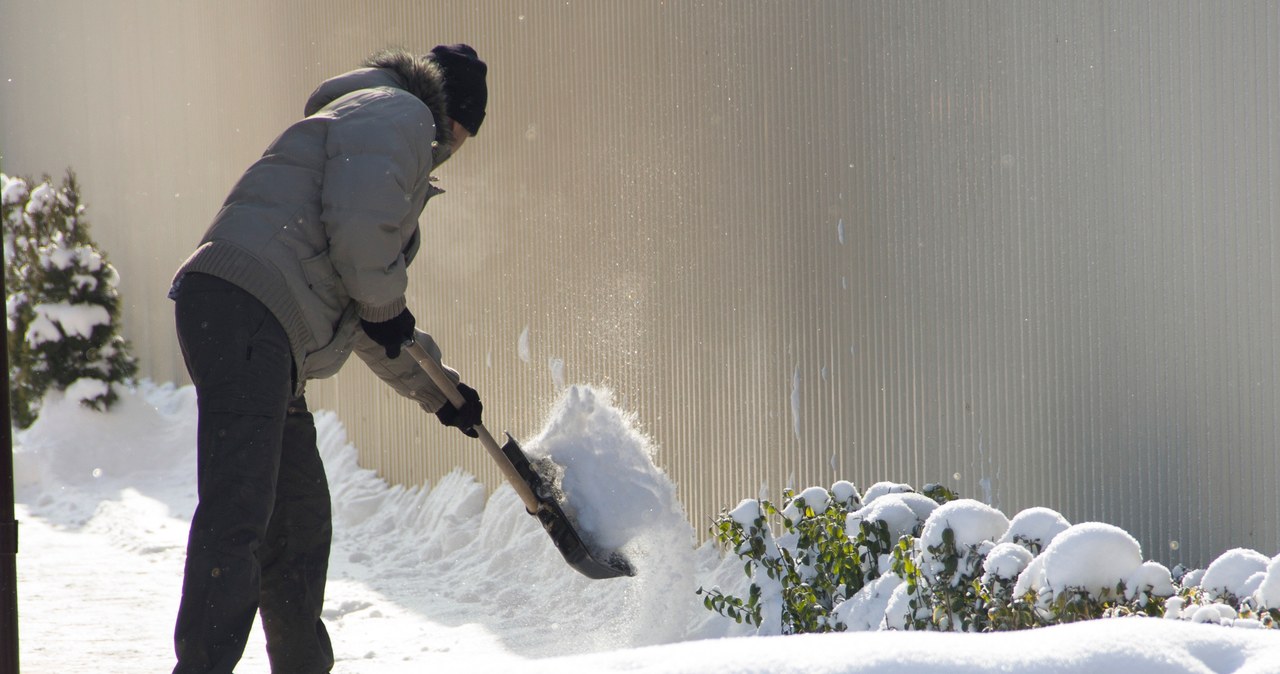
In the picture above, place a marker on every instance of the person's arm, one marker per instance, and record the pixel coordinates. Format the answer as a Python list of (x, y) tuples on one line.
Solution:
[(403, 374), (411, 381)]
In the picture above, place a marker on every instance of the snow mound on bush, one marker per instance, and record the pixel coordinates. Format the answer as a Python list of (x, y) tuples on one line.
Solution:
[(747, 513), (816, 499), (898, 612), (975, 526), (87, 389), (1092, 556), (879, 489), (12, 189), (902, 513), (844, 492), (921, 505), (1005, 562), (1268, 593), (865, 610), (972, 522), (1235, 574), (1035, 528), (1151, 577)]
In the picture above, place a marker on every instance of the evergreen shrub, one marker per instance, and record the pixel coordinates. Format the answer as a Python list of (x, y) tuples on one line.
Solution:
[(62, 300)]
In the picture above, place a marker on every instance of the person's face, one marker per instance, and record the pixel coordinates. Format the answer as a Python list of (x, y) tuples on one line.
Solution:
[(459, 135)]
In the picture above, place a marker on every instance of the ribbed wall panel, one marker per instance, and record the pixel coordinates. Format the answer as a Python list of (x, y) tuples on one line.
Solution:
[(1027, 249)]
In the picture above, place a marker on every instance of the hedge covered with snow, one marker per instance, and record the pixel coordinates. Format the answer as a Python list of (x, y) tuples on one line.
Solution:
[(61, 300), (837, 559)]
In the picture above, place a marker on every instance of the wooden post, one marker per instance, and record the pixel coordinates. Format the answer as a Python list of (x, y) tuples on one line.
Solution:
[(8, 523)]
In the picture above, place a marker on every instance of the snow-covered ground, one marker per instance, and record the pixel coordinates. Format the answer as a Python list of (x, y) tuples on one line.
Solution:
[(453, 579)]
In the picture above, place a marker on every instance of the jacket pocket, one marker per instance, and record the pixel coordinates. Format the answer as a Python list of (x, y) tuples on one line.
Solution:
[(324, 282), (327, 360)]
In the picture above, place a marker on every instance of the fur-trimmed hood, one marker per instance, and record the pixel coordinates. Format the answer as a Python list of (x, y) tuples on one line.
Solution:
[(397, 68)]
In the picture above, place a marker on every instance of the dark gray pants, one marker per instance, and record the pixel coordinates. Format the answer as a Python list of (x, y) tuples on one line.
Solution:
[(260, 535)]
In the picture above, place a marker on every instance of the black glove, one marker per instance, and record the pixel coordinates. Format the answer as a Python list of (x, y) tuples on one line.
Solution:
[(467, 417), (391, 334)]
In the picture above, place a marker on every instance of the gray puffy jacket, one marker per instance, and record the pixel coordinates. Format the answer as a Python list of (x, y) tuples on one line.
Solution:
[(322, 228)]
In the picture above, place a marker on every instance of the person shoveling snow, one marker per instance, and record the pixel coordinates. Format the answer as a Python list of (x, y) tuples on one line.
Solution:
[(306, 263)]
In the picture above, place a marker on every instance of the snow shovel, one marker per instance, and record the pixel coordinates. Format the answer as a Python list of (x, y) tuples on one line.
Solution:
[(539, 500)]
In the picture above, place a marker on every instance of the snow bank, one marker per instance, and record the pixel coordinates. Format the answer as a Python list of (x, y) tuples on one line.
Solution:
[(490, 556), (1128, 646), (440, 577), (70, 445)]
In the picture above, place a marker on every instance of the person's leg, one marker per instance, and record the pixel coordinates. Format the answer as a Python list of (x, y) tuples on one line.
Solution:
[(295, 555), (239, 359)]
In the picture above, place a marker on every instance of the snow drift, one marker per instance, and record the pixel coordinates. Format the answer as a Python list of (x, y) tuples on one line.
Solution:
[(450, 578)]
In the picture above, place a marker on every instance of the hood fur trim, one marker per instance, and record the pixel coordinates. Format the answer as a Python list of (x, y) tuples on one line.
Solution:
[(422, 78)]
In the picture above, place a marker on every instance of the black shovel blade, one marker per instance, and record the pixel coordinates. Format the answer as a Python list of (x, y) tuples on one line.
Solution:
[(559, 527)]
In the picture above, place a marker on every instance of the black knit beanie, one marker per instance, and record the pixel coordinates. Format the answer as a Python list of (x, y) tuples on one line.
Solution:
[(464, 85)]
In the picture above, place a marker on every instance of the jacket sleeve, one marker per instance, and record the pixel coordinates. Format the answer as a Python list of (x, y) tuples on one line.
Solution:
[(377, 155), (403, 373)]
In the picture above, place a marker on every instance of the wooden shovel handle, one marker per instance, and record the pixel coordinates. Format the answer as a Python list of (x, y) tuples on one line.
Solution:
[(443, 382)]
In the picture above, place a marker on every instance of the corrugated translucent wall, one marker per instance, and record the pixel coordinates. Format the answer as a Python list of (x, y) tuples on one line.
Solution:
[(1027, 249)]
